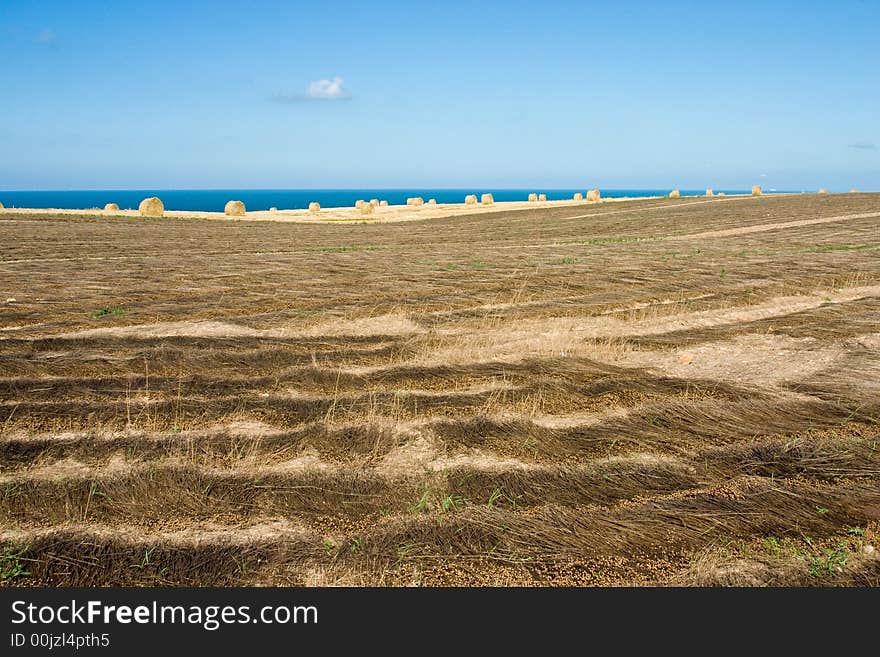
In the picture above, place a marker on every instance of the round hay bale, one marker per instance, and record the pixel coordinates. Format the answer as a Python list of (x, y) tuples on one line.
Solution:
[(366, 208), (383, 204), (234, 209), (533, 198), (432, 201), (823, 191), (111, 207), (577, 197), (470, 199), (674, 193), (720, 194), (314, 207), (593, 195), (273, 209), (757, 190), (542, 197), (1, 206), (852, 191), (415, 200), (151, 207), (359, 203), (487, 199), (709, 192), (374, 202)]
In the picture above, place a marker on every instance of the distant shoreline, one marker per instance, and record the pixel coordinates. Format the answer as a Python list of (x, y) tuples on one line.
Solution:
[(385, 214), (299, 199)]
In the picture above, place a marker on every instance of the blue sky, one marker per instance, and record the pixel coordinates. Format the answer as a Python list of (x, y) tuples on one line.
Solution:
[(439, 94)]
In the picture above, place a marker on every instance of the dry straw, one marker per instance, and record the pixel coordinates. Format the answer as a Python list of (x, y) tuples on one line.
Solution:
[(374, 202), (234, 209), (1, 206), (542, 197), (533, 198), (852, 191), (674, 194), (578, 197), (111, 207), (383, 204), (823, 191), (470, 199), (273, 209), (314, 207), (709, 192), (359, 203), (757, 190), (486, 199), (432, 201), (366, 208), (593, 195), (151, 207), (415, 200)]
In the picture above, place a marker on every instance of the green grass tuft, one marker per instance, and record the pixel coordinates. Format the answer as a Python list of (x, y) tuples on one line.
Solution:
[(11, 564)]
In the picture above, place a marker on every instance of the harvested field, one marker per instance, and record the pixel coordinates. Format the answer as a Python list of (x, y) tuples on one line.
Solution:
[(664, 392)]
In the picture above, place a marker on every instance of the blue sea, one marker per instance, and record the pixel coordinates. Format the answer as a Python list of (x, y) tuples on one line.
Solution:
[(209, 200)]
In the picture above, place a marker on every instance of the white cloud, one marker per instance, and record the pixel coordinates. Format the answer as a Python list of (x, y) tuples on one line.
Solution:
[(327, 89), (318, 90)]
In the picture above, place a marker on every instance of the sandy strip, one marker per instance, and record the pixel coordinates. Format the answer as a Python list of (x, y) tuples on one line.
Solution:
[(201, 533), (387, 214), (745, 230)]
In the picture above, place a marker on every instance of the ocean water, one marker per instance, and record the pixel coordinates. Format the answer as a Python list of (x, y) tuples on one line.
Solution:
[(213, 200)]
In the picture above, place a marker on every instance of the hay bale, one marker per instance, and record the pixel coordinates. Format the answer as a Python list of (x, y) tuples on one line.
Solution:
[(432, 201), (234, 209), (577, 197), (1, 206), (709, 192), (111, 207), (674, 193), (823, 191), (366, 208), (593, 195), (314, 207), (359, 203), (273, 209), (542, 197), (383, 204), (151, 207), (487, 199), (415, 200), (757, 190), (470, 199), (533, 198), (374, 202), (720, 193), (852, 191)]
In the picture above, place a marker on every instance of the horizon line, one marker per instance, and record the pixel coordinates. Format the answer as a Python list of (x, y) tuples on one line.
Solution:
[(407, 188)]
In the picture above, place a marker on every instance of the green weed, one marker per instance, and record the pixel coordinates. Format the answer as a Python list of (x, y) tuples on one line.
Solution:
[(11, 564), (830, 562)]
